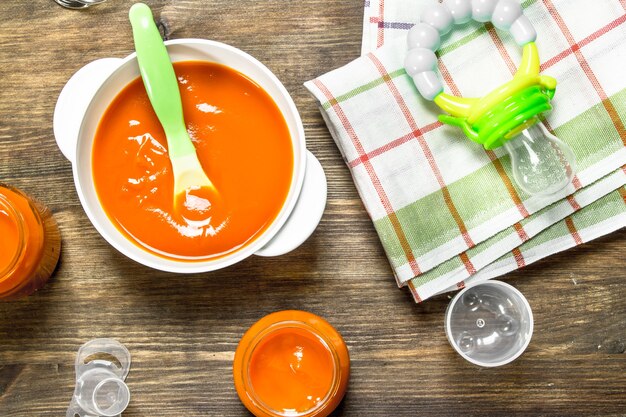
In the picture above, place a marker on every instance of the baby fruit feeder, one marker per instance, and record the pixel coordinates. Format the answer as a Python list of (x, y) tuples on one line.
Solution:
[(508, 116)]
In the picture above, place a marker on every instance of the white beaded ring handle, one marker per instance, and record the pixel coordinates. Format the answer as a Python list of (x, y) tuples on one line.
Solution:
[(508, 115), (437, 19)]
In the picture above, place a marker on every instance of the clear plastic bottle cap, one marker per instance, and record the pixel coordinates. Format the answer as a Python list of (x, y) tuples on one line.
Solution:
[(489, 323), (102, 366), (78, 4)]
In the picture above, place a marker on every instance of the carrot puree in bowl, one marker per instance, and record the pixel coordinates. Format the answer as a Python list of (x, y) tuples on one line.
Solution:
[(242, 142)]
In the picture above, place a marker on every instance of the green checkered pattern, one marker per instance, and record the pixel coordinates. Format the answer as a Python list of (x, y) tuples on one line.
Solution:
[(446, 210)]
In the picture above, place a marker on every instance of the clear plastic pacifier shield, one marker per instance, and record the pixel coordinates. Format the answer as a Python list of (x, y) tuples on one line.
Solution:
[(489, 323), (101, 369)]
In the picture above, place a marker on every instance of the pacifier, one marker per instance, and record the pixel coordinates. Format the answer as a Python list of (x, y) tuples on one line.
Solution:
[(509, 116), (101, 368)]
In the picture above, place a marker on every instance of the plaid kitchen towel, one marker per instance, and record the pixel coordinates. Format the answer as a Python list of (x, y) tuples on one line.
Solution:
[(445, 209)]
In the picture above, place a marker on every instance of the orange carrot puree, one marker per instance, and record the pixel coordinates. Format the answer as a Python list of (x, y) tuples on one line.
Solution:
[(291, 370), (291, 363), (30, 243), (10, 237), (243, 144)]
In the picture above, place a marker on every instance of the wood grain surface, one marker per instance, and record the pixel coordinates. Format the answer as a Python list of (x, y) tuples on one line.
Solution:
[(182, 330)]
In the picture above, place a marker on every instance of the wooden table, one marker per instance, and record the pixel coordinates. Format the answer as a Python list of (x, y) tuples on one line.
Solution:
[(182, 330)]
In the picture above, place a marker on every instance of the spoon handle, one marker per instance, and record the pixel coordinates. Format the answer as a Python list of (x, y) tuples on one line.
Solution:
[(160, 80)]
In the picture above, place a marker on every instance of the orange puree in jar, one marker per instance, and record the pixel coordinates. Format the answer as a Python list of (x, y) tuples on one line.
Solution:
[(11, 239), (291, 363), (291, 370), (242, 142), (30, 244)]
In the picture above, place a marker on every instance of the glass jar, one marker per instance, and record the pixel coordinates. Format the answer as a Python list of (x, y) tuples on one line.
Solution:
[(291, 363), (30, 244)]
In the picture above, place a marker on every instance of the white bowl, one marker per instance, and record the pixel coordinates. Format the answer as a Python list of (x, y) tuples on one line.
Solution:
[(89, 92)]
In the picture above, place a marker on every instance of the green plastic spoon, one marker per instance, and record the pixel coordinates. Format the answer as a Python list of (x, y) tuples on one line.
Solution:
[(161, 84)]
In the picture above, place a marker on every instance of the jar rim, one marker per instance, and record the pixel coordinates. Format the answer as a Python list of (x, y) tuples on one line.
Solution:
[(318, 328), (13, 214), (319, 335)]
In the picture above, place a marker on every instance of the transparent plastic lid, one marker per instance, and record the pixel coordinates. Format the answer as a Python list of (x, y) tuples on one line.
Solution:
[(101, 369), (489, 323)]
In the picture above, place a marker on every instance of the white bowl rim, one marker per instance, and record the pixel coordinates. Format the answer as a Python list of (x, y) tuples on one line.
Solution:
[(154, 261)]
